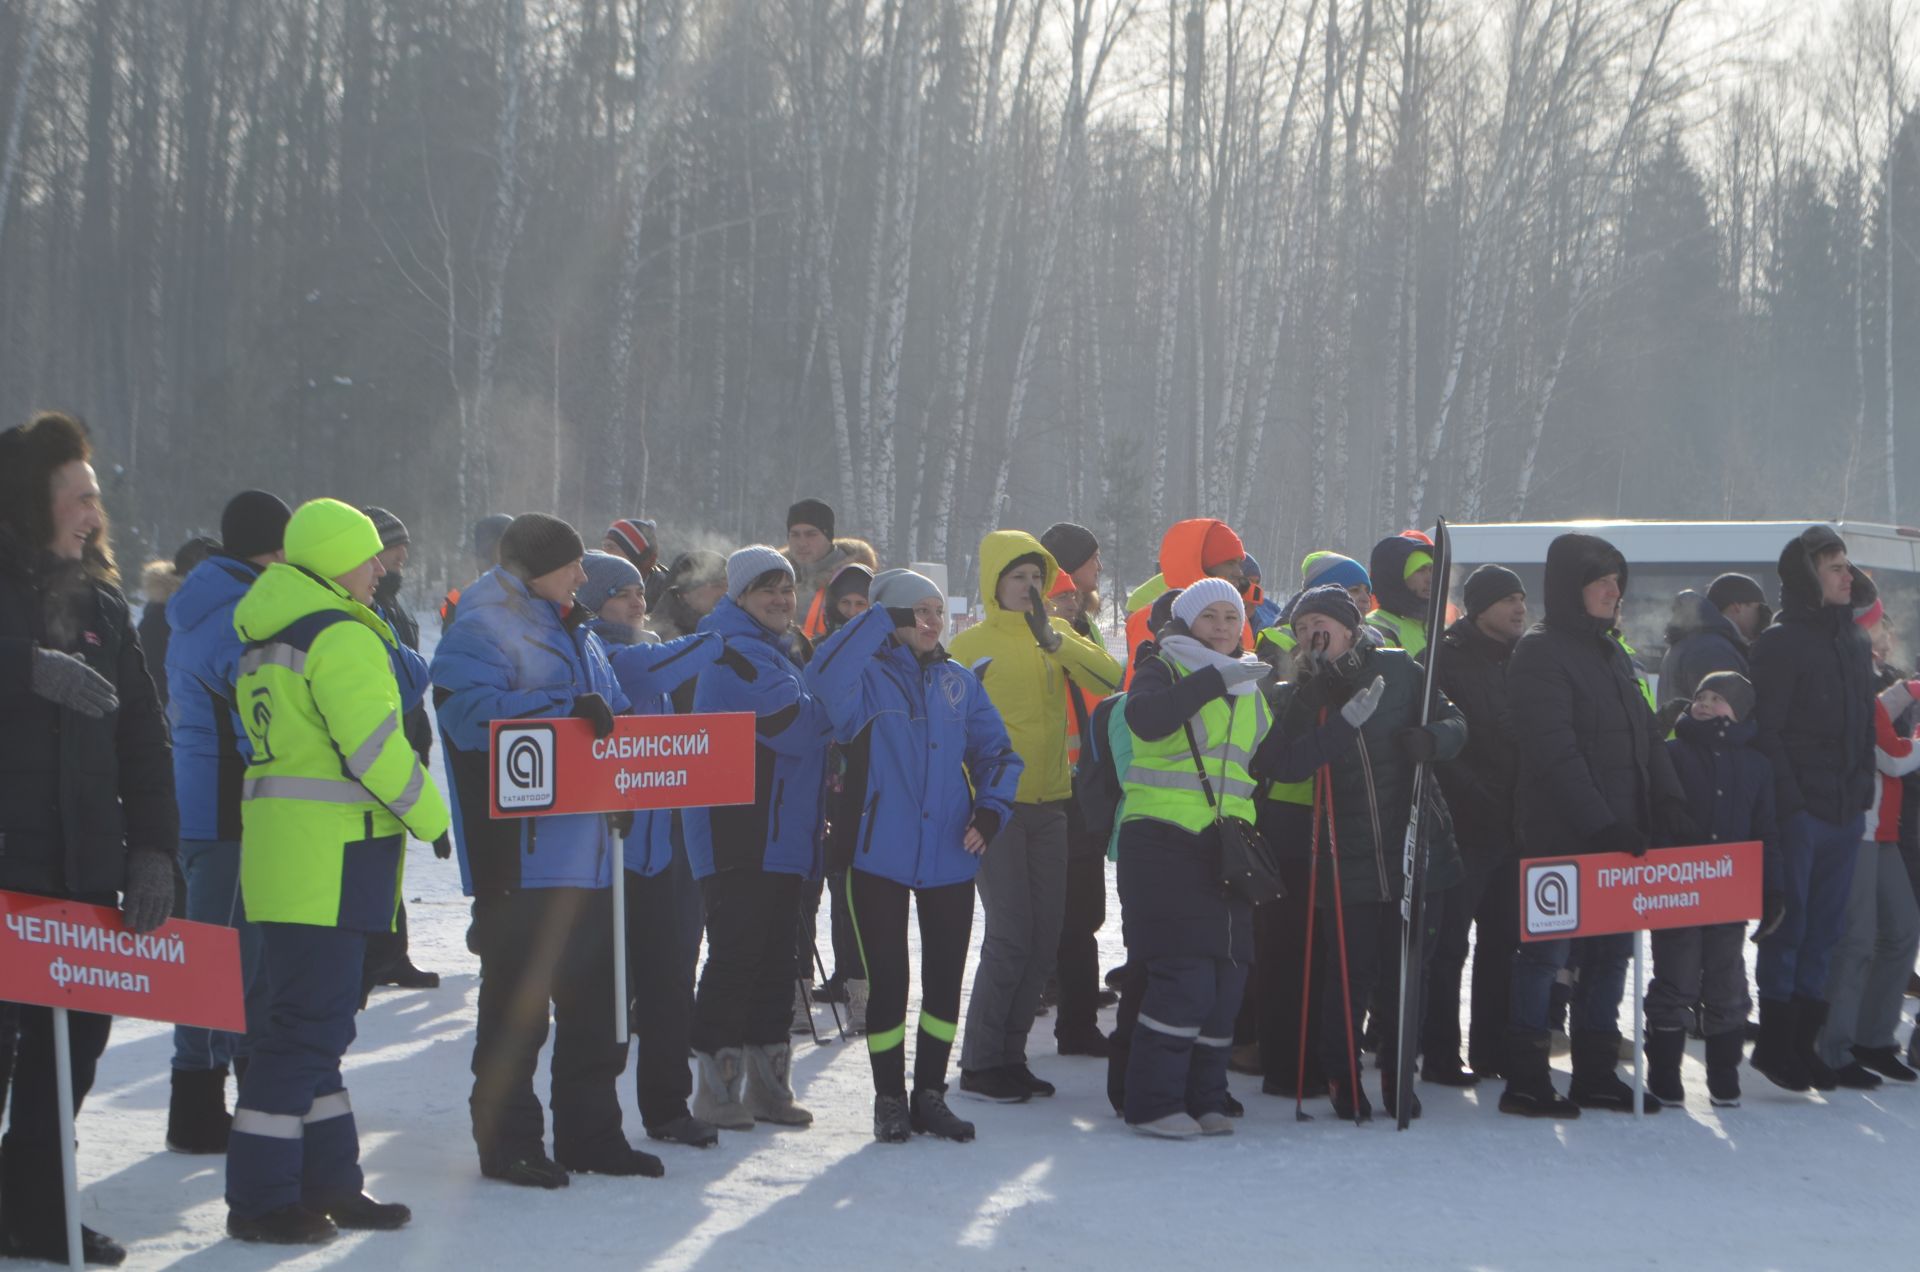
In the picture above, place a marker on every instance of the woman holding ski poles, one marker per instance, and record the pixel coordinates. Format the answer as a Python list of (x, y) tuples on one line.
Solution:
[(936, 779), (1202, 737), (1362, 802)]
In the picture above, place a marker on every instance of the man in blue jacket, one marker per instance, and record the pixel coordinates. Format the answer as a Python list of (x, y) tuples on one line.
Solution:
[(542, 913), (1711, 633), (209, 762)]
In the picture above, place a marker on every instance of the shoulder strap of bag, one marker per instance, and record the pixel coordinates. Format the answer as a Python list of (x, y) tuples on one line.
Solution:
[(1206, 783)]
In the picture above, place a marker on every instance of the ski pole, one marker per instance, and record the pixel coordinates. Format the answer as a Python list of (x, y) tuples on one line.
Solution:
[(820, 966), (1306, 978), (1340, 931)]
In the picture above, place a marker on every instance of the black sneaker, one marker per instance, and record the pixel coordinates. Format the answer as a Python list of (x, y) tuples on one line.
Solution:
[(891, 1123), (535, 1170), (998, 1086), (361, 1213), (619, 1159), (289, 1225), (1034, 1084), (686, 1129), (931, 1116), (1856, 1077), (1885, 1061), (1527, 1101), (1083, 1042)]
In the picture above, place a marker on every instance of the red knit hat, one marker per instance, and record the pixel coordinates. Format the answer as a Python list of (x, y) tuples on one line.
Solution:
[(1220, 547)]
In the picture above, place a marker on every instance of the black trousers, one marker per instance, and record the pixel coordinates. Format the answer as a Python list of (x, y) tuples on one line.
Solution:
[(32, 1201), (386, 953), (746, 988), (1488, 903), (1279, 985), (1077, 1009), (545, 952), (662, 1000), (878, 908), (1373, 974), (1126, 1019)]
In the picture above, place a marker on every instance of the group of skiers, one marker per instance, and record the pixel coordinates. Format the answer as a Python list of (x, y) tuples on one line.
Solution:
[(1251, 768)]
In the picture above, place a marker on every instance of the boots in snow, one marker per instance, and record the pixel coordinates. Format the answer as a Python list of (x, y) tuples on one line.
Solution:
[(1174, 1126), (289, 1225), (1596, 1082), (769, 1086), (717, 1102), (1809, 1018), (1530, 1091), (361, 1213), (1774, 1055), (891, 1125), (1885, 1061), (1344, 1094), (931, 1116), (1665, 1047), (686, 1129), (1723, 1068), (1389, 1097), (197, 1117)]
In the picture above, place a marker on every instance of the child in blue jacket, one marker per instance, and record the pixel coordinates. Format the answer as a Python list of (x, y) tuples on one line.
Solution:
[(940, 777)]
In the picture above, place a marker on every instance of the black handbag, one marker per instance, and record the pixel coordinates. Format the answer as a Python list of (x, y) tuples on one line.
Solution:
[(1247, 863)]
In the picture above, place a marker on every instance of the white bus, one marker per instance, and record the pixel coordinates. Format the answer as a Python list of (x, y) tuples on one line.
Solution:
[(1667, 557)]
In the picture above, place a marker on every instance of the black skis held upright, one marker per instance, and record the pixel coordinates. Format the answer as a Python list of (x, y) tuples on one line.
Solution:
[(1413, 882)]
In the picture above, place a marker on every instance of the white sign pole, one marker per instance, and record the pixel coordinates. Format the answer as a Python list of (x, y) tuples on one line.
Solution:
[(1639, 1027), (69, 1171), (621, 1016)]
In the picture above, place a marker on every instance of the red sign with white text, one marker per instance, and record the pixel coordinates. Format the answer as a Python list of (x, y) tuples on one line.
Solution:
[(66, 954), (540, 768), (1602, 893)]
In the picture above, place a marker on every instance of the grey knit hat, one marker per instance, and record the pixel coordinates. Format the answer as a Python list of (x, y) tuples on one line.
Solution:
[(750, 563)]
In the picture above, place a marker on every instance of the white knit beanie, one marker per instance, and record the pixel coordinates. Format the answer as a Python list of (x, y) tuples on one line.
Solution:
[(1209, 591), (748, 564)]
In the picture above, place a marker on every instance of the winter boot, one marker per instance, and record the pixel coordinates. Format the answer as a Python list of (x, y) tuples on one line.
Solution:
[(891, 1125), (1447, 1071), (1854, 1076), (1036, 1086), (1723, 1068), (1344, 1095), (1174, 1126), (1530, 1091), (289, 1225), (1665, 1047), (769, 1087), (361, 1213), (197, 1117), (717, 1102), (1083, 1040), (686, 1129), (1215, 1124), (1809, 1018), (1775, 1056), (931, 1116), (1390, 1096), (857, 1006), (1596, 1081), (999, 1086), (615, 1157), (1885, 1061), (532, 1170)]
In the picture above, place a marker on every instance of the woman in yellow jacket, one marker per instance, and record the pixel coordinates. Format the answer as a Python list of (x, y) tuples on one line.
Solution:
[(332, 789), (1026, 662)]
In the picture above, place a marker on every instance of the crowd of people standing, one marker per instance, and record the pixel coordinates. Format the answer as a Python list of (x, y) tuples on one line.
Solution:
[(255, 753)]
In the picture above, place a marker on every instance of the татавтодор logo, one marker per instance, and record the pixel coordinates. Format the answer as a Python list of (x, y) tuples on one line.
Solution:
[(523, 758), (1553, 898)]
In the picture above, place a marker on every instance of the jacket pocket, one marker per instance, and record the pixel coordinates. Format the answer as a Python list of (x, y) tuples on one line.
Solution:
[(370, 883)]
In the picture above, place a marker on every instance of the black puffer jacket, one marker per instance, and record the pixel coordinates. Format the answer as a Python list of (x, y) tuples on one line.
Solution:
[(1590, 753), (1372, 787), (1813, 680), (1479, 783), (1700, 641), (76, 794)]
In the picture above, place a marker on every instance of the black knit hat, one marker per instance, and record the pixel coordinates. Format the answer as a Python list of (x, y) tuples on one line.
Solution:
[(1489, 585), (1162, 611), (1331, 600), (254, 523), (536, 544), (1072, 546), (393, 531), (1734, 589), (1734, 687), (811, 512)]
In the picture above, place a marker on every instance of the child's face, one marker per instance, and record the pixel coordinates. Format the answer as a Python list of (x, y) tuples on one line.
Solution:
[(1708, 705)]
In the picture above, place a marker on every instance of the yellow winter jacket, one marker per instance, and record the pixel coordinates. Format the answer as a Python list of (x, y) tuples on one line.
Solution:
[(1027, 685)]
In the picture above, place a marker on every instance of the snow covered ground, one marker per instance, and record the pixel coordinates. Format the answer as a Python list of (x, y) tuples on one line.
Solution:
[(1783, 1182)]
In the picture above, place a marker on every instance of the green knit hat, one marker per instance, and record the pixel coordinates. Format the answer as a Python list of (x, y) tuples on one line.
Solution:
[(330, 538)]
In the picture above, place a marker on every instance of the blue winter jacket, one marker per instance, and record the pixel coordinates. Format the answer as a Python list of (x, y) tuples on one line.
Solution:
[(507, 656), (209, 746), (781, 830), (410, 669), (1728, 783), (648, 673), (937, 752)]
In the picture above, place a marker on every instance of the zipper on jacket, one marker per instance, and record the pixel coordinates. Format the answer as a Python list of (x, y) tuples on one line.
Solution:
[(773, 831), (866, 816), (1373, 815)]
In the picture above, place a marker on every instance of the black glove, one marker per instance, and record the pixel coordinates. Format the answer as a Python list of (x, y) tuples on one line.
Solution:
[(148, 900), (1773, 912), (987, 822), (443, 846), (1618, 837), (737, 663), (1417, 744), (592, 708), (621, 823), (1038, 623), (1676, 822), (67, 680)]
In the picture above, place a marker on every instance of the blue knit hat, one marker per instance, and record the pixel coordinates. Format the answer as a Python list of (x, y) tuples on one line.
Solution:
[(1331, 567), (606, 574)]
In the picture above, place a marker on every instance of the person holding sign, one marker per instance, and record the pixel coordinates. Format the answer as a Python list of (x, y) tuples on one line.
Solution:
[(86, 784), (939, 780), (754, 860), (1703, 970), (332, 790), (542, 910), (1594, 777)]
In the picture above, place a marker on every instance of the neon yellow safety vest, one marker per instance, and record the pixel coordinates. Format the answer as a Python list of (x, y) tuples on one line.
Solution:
[(1410, 633), (1281, 637), (1162, 783), (1633, 660), (333, 787)]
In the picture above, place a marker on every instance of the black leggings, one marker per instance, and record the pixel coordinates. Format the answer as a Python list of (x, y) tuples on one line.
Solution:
[(879, 911)]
